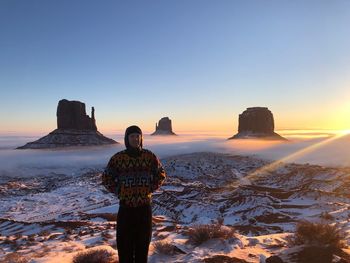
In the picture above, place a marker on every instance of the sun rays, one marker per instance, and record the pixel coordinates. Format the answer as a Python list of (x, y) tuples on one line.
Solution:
[(294, 156)]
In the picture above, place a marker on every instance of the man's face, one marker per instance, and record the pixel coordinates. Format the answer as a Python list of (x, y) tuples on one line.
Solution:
[(135, 140)]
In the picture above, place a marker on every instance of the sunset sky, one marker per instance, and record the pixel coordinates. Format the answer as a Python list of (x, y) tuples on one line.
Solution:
[(201, 63)]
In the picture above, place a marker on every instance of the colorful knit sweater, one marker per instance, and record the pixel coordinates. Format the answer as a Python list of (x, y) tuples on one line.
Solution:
[(133, 179)]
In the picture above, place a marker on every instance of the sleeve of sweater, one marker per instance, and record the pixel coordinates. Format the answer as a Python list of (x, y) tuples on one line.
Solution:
[(109, 177), (158, 174)]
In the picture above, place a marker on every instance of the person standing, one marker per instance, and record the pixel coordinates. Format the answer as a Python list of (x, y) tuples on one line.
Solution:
[(133, 175)]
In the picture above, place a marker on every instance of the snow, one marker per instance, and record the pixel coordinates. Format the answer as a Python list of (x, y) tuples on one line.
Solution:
[(172, 188), (55, 198), (106, 209)]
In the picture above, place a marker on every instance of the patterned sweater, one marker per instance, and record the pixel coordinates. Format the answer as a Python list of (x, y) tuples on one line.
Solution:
[(133, 179)]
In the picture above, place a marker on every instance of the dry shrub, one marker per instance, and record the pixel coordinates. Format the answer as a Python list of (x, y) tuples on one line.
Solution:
[(95, 256), (31, 237), (46, 248), (198, 234), (14, 258), (68, 249), (39, 254), (164, 247), (18, 236), (326, 216), (223, 259), (54, 236), (8, 241), (318, 234), (313, 254), (44, 233)]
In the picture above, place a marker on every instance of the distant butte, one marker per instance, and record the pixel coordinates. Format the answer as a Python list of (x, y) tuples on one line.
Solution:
[(256, 122), (164, 127), (74, 128)]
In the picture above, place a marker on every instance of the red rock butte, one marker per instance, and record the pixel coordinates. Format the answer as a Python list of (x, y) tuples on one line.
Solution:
[(74, 128), (164, 127), (256, 123)]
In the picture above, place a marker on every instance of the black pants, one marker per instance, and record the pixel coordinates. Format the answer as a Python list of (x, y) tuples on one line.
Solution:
[(134, 233)]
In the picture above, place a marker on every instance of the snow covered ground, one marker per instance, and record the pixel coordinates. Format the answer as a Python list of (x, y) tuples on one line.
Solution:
[(52, 204)]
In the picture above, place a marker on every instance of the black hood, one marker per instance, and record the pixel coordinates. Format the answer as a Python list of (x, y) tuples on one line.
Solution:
[(130, 130)]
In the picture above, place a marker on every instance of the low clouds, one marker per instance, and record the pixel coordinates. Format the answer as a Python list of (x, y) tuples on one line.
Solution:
[(326, 149)]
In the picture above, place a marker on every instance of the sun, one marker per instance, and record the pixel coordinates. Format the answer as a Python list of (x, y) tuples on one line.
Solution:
[(344, 132)]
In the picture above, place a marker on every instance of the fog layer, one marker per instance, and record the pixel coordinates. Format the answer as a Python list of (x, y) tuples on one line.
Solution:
[(316, 148)]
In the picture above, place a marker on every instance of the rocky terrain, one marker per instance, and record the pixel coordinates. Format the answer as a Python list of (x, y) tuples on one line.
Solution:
[(50, 218)]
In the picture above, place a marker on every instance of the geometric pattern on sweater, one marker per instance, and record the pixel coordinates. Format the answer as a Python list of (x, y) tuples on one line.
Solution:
[(133, 179)]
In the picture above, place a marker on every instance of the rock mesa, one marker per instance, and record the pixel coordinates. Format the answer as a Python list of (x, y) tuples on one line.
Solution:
[(74, 128), (164, 127), (256, 122)]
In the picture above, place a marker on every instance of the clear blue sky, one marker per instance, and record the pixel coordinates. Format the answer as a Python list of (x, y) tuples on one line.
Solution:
[(199, 62)]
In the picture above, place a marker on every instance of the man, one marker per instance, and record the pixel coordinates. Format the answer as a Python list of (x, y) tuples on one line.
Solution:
[(133, 174)]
